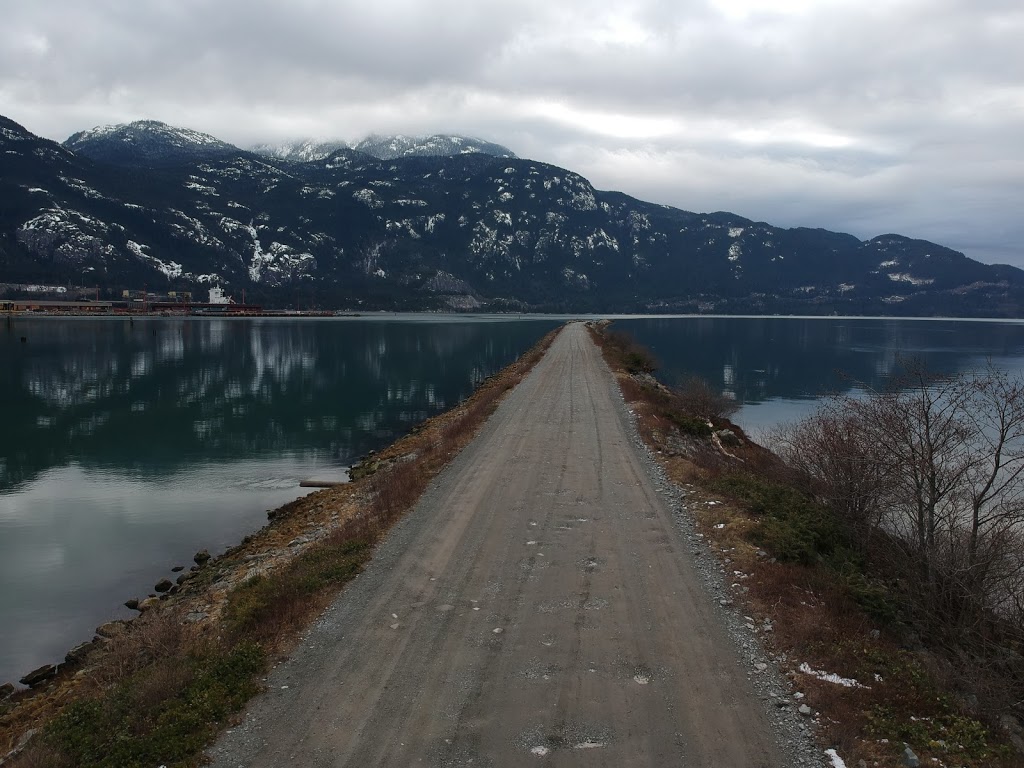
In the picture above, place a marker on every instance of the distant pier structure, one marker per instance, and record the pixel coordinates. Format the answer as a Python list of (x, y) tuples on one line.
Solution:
[(41, 305), (134, 303)]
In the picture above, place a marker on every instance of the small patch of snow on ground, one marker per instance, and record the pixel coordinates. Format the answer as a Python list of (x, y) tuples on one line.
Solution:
[(837, 761), (830, 677)]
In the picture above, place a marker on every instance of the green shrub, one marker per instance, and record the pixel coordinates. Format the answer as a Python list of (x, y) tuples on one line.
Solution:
[(954, 734), (689, 425), (631, 356), (870, 594), (790, 525), (263, 603), (174, 723), (639, 361)]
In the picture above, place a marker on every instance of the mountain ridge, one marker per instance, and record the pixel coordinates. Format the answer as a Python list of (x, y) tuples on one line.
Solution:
[(300, 150), (383, 147), (391, 147), (466, 231), (146, 142), (154, 143)]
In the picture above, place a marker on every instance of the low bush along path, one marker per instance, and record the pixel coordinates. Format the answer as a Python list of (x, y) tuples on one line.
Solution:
[(538, 605)]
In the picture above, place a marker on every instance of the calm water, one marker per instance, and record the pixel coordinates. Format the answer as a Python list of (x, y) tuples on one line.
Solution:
[(778, 367), (125, 448)]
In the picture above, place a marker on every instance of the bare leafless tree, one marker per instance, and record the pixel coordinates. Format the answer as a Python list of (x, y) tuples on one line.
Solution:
[(929, 475), (843, 464), (700, 399)]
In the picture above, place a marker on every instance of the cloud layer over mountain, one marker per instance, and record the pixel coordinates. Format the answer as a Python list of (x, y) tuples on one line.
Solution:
[(898, 116)]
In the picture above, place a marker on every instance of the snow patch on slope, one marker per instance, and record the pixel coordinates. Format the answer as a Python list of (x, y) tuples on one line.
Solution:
[(171, 269), (904, 277)]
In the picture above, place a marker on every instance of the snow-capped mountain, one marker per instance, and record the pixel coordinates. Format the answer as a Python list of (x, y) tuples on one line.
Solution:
[(147, 142), (469, 230), (383, 147), (300, 150), (391, 147)]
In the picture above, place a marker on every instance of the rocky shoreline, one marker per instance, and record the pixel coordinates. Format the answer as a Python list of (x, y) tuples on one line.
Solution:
[(196, 597)]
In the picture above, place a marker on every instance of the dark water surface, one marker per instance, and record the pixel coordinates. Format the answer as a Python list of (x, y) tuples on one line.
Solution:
[(778, 367), (126, 447)]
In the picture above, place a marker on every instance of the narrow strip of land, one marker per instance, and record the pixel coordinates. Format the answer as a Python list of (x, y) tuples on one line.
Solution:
[(538, 606)]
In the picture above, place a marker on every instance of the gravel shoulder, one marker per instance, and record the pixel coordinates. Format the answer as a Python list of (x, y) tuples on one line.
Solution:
[(541, 604)]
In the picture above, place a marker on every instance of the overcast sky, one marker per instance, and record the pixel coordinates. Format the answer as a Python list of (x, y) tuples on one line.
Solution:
[(864, 116)]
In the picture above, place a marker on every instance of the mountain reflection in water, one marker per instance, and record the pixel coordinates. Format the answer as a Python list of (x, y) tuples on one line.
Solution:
[(152, 396), (778, 367)]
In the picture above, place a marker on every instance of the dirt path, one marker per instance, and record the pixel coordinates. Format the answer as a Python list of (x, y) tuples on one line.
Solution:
[(538, 607)]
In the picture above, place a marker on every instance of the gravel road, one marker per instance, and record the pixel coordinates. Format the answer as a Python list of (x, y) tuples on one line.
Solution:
[(540, 606)]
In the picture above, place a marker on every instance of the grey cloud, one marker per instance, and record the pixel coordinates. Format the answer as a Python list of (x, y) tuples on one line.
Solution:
[(869, 117)]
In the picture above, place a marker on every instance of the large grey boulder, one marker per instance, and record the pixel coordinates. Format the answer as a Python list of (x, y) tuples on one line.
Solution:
[(38, 676)]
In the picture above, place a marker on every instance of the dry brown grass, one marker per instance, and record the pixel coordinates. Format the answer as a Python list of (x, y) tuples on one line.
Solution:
[(151, 637), (41, 756), (632, 390), (816, 620), (163, 675)]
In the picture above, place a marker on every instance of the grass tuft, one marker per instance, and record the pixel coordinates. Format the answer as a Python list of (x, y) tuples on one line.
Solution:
[(268, 606), (161, 715), (790, 525), (628, 355), (689, 425)]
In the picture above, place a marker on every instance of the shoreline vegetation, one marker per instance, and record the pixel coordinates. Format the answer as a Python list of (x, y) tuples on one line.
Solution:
[(880, 685), (155, 690)]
